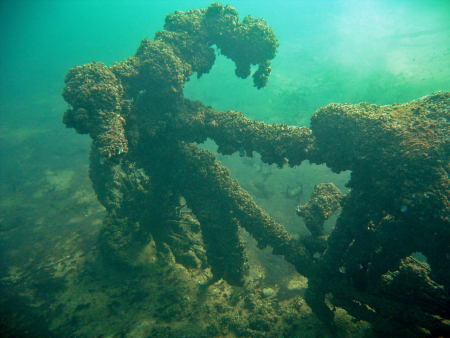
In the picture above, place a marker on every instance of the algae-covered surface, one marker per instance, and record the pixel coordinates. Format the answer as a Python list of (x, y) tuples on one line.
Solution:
[(138, 229)]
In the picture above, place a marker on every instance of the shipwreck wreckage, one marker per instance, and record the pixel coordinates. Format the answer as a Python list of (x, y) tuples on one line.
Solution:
[(145, 166)]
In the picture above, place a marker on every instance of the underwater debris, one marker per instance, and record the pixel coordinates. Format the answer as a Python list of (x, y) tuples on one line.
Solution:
[(294, 192), (323, 202), (398, 156)]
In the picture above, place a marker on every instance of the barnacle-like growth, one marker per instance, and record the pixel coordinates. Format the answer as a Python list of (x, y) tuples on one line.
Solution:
[(146, 168), (95, 95), (250, 42)]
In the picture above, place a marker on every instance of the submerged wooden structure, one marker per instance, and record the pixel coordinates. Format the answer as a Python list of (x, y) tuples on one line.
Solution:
[(145, 166)]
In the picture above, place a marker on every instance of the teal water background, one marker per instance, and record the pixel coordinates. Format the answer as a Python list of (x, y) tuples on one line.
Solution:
[(330, 51)]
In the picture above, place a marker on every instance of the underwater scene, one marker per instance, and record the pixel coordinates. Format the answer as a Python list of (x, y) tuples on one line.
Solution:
[(198, 169)]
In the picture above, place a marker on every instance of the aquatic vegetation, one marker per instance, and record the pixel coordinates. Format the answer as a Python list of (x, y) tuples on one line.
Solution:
[(145, 167)]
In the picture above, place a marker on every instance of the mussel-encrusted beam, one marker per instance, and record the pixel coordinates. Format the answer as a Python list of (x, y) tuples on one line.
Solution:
[(233, 132), (208, 188)]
